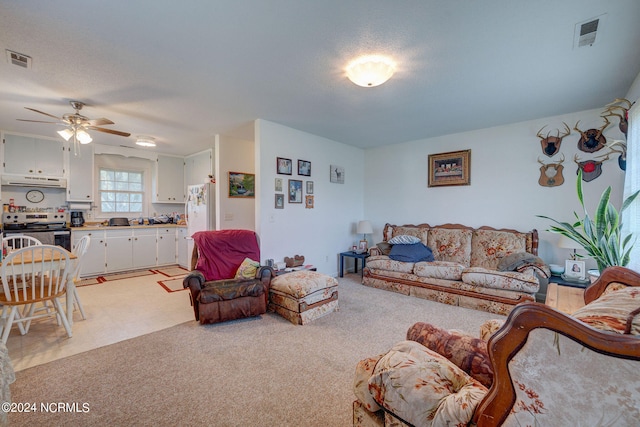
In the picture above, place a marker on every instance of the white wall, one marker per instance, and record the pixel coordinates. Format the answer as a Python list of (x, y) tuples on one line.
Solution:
[(329, 228), (233, 155), (504, 190)]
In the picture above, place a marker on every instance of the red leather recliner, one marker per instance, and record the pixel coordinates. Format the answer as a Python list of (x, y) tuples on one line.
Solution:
[(216, 296)]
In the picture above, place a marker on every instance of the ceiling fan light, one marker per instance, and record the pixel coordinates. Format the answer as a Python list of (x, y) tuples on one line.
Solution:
[(83, 137), (146, 141), (370, 70), (66, 133)]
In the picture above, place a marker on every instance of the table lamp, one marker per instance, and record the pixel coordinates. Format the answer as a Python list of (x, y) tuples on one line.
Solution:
[(364, 227), (567, 243)]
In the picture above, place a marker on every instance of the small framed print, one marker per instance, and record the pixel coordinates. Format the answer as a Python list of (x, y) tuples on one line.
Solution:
[(452, 168), (308, 202), (283, 166), (574, 269), (304, 168), (278, 184), (279, 204), (242, 184), (336, 174), (309, 187), (295, 191)]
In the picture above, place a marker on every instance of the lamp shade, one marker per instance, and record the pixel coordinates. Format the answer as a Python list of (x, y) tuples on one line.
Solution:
[(370, 70), (364, 227), (567, 243)]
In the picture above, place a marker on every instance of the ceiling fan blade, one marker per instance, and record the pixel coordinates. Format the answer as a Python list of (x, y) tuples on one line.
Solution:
[(37, 121), (42, 112), (99, 122), (114, 132)]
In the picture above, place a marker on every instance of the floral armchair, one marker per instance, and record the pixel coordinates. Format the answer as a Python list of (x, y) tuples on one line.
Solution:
[(540, 368)]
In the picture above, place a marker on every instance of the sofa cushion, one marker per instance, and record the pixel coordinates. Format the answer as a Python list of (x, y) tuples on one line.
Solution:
[(224, 290), (488, 247), (611, 311), (411, 253), (451, 244), (439, 270), (416, 231), (466, 352), (404, 239), (423, 388), (510, 280), (383, 262)]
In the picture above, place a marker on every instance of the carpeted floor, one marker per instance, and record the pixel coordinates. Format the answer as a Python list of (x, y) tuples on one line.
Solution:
[(263, 371)]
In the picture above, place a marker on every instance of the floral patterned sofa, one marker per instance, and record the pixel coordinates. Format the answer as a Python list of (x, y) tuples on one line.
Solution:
[(541, 368), (471, 269)]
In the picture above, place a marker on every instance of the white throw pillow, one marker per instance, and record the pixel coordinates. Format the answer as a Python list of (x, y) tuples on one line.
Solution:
[(404, 239)]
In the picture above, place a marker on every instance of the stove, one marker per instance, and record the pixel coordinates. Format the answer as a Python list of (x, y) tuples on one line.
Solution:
[(48, 227)]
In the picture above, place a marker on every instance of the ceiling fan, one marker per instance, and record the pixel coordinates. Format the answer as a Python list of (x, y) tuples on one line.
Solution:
[(77, 124)]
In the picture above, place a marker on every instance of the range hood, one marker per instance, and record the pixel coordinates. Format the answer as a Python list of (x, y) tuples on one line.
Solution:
[(33, 181)]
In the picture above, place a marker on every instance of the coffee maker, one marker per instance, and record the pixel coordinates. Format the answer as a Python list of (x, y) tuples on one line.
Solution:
[(77, 219)]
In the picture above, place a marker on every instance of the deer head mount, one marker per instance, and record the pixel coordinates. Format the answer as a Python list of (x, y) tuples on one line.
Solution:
[(622, 113), (592, 140), (591, 169), (551, 173), (551, 144)]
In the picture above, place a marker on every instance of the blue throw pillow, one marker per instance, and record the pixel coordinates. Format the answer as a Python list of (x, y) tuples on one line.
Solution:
[(411, 253)]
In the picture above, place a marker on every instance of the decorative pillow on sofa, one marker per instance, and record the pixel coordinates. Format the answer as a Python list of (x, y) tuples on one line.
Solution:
[(404, 239), (466, 352), (411, 253), (247, 269)]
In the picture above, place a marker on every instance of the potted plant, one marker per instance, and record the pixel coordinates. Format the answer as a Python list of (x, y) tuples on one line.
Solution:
[(600, 236)]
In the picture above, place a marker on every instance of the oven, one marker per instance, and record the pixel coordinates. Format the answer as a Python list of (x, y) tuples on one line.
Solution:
[(50, 228)]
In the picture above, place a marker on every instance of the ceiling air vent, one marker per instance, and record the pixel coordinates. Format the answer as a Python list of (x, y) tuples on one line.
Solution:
[(587, 33), (18, 59)]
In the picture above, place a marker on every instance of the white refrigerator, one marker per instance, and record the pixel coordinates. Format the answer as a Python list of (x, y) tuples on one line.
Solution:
[(200, 209)]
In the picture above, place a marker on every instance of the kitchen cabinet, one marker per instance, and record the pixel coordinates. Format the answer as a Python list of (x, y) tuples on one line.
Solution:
[(183, 254), (93, 262), (80, 174), (198, 167), (166, 246), (119, 254), (169, 180), (31, 156), (144, 247)]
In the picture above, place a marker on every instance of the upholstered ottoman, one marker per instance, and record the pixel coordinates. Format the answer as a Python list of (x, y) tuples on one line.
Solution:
[(303, 296)]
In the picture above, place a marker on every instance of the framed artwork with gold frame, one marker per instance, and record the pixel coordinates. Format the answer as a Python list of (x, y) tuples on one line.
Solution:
[(452, 168)]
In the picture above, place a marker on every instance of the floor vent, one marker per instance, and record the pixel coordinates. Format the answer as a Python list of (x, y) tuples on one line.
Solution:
[(587, 33), (18, 59)]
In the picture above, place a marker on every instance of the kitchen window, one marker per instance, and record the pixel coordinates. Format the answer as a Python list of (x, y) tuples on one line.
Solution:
[(121, 191)]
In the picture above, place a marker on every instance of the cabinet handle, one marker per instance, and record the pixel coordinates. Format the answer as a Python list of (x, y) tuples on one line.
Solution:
[(30, 170)]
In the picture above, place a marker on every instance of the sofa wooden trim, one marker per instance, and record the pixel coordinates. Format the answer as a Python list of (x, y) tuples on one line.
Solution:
[(524, 318)]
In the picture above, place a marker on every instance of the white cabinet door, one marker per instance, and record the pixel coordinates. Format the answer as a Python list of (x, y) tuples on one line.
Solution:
[(183, 255), (93, 262), (169, 180), (119, 253), (26, 155), (198, 167), (80, 181), (144, 248), (166, 246)]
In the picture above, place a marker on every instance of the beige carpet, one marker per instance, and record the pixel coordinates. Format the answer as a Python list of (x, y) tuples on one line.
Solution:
[(263, 371)]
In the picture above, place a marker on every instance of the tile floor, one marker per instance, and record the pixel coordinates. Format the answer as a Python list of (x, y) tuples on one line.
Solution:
[(116, 310)]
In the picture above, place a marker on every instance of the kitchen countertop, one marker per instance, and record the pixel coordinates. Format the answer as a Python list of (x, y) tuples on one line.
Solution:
[(106, 227)]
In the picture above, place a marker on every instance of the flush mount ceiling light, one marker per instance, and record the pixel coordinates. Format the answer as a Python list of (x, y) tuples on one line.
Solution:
[(370, 70), (146, 141)]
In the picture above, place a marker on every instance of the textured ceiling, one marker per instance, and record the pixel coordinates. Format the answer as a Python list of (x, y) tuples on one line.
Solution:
[(185, 71)]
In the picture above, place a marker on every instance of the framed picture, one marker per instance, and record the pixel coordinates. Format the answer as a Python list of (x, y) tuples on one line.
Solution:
[(453, 168), (309, 187), (283, 166), (304, 168), (242, 185), (278, 184), (362, 246), (295, 191), (336, 174), (308, 202), (574, 269), (279, 204)]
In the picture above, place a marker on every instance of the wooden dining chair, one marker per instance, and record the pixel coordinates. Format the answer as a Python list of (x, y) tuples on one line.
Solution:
[(31, 275), (80, 250)]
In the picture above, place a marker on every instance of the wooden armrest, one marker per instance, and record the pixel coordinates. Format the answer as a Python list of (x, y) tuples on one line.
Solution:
[(611, 275)]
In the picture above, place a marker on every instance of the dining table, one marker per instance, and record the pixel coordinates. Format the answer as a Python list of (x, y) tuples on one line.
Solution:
[(48, 256)]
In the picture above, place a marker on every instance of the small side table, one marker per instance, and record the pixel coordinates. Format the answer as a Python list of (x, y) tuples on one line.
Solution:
[(560, 281), (351, 254)]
